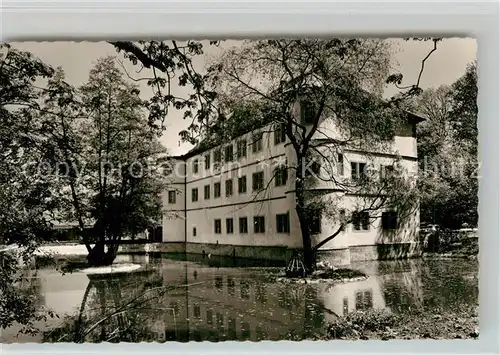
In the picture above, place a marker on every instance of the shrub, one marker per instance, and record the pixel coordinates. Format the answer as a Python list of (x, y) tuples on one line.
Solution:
[(361, 321)]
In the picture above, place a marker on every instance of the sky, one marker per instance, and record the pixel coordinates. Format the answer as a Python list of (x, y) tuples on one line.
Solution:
[(444, 67)]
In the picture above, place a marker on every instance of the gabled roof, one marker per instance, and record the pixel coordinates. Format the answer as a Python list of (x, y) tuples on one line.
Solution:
[(416, 118)]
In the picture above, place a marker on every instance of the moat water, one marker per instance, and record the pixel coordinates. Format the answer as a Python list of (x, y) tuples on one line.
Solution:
[(190, 298)]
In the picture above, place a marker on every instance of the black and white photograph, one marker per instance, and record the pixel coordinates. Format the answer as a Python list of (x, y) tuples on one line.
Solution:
[(268, 189)]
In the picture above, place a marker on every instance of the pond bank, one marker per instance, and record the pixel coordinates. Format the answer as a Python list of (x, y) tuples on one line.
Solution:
[(462, 323)]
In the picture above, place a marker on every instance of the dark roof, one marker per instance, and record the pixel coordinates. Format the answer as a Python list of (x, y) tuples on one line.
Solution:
[(416, 118)]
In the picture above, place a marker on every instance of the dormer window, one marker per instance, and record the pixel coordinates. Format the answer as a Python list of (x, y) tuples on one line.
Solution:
[(307, 112)]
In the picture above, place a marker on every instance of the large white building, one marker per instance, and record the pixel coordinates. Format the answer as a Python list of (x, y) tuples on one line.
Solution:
[(227, 200)]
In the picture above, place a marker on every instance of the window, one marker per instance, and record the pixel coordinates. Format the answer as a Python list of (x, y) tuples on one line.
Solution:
[(283, 223), (361, 221), (217, 226), (195, 166), (194, 231), (245, 330), (260, 333), (340, 165), (244, 289), (307, 112), (207, 192), (197, 311), (258, 181), (242, 184), (194, 195), (257, 142), (314, 167), (229, 187), (243, 225), (342, 220), (315, 223), (207, 161), (217, 156), (228, 153), (210, 316), (280, 133), (345, 306), (364, 300), (258, 224), (260, 293), (389, 220), (171, 196), (217, 190), (218, 283), (220, 320), (230, 286), (229, 226), (231, 329), (358, 171), (281, 176), (386, 171), (242, 149)]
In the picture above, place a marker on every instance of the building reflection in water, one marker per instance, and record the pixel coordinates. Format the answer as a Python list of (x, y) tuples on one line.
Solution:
[(185, 301)]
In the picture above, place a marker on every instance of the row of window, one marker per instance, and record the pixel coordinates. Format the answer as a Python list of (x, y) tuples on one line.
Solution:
[(260, 289), (231, 325), (358, 170), (241, 148), (361, 221), (281, 177), (282, 225)]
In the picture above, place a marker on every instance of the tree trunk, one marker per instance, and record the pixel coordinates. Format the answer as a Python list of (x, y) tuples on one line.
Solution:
[(99, 256), (309, 258)]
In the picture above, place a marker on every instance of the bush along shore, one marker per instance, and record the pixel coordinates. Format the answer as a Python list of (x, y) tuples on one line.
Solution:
[(462, 323), (450, 244)]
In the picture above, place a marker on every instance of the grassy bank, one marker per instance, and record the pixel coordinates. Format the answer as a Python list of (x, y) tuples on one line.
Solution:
[(382, 325)]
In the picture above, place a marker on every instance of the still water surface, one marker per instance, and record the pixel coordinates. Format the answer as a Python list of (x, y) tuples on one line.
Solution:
[(192, 299)]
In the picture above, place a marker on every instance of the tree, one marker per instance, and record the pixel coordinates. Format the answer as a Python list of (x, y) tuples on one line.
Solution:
[(25, 194), (464, 108), (447, 147), (165, 61), (339, 84), (111, 172)]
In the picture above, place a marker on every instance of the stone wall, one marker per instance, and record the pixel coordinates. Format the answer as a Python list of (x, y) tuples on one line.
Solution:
[(339, 257), (153, 247), (240, 251), (345, 256)]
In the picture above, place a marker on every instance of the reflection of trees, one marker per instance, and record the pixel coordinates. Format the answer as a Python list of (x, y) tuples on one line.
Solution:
[(314, 314), (114, 309), (446, 286), (21, 299), (402, 285), (428, 284)]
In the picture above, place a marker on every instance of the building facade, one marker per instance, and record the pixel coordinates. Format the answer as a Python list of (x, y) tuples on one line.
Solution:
[(231, 200)]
